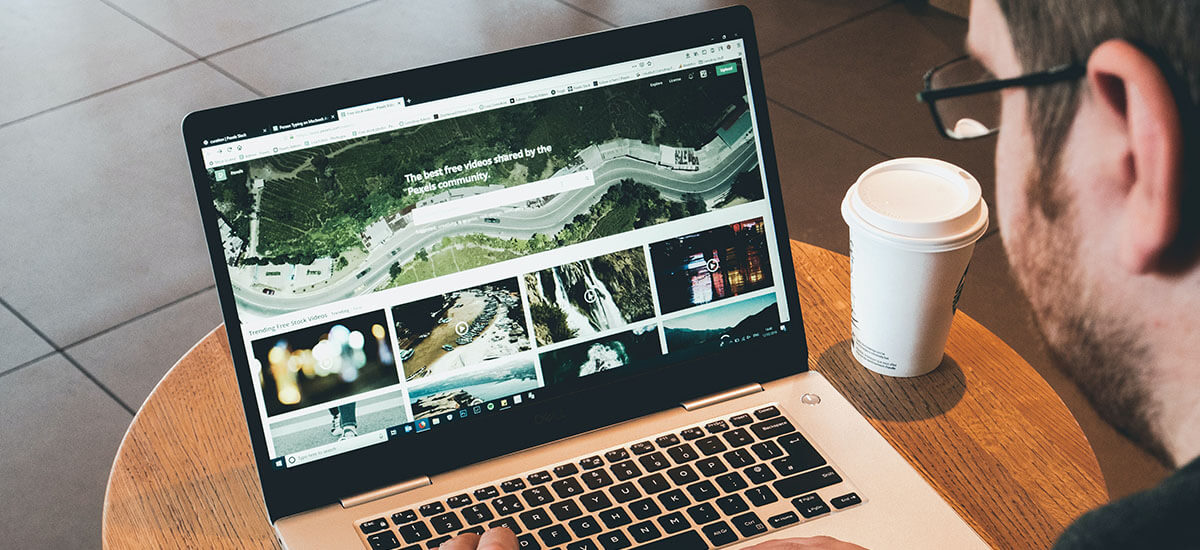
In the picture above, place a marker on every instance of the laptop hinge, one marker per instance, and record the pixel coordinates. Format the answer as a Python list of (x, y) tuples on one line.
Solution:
[(722, 397), (402, 487)]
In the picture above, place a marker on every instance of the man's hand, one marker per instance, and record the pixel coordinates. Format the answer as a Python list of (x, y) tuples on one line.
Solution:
[(805, 543), (499, 538)]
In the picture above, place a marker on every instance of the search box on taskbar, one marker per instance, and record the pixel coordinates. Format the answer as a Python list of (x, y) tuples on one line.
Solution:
[(458, 207)]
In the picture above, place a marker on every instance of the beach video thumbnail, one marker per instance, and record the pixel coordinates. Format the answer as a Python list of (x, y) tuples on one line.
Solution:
[(725, 322), (711, 265), (325, 362), (471, 387), (607, 353), (589, 296), (460, 329), (328, 425)]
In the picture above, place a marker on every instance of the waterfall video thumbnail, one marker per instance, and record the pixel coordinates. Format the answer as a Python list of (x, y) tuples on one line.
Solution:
[(730, 321), (589, 296), (472, 387), (461, 329), (712, 265), (324, 362), (609, 352)]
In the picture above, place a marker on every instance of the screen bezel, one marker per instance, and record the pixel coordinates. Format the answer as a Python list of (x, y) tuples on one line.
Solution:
[(304, 487)]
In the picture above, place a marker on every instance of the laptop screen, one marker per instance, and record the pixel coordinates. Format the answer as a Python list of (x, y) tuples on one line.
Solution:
[(406, 264)]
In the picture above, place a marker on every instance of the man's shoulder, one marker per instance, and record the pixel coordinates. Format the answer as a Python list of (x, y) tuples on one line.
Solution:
[(1165, 516)]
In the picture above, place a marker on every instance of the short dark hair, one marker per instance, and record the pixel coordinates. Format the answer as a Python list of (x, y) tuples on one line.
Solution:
[(1047, 33)]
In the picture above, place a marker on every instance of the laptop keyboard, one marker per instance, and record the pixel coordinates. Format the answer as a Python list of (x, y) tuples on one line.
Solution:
[(702, 486)]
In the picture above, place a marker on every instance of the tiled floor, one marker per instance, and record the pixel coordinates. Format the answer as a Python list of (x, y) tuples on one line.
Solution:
[(106, 282)]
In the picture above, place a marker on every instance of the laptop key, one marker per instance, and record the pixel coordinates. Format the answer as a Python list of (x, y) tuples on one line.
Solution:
[(716, 426), (807, 482), (383, 541), (682, 454), (689, 540), (801, 451), (595, 501), (377, 524), (748, 524), (614, 518), (810, 505), (845, 501), (584, 527), (703, 513), (625, 470), (769, 429), (414, 532), (668, 440), (786, 466), (759, 473), (434, 543), (673, 522), (624, 492), (674, 499), (507, 505), (702, 491), (731, 482), (537, 496), (644, 531), (732, 504), (738, 437), (616, 455), (682, 475), (458, 501), (478, 513), (407, 516), (432, 509), (710, 445), (614, 540), (554, 535), (535, 518), (654, 483), (486, 493), (644, 508), (538, 478), (738, 458), (476, 530), (766, 412), (766, 450), (509, 522), (591, 462), (565, 510), (719, 533), (446, 523), (641, 447), (761, 495), (784, 519), (512, 485), (692, 433), (711, 466), (596, 479), (528, 542), (654, 462), (585, 544), (741, 420), (567, 488), (564, 470)]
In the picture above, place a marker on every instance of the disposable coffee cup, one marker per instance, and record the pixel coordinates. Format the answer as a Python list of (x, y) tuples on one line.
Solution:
[(913, 226)]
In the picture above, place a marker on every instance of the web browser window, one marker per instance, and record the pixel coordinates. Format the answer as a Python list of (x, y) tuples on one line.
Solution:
[(398, 266)]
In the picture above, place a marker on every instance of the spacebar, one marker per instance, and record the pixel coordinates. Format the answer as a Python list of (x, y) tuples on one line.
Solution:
[(684, 541)]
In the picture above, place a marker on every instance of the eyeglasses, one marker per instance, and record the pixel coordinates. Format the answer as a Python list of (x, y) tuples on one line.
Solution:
[(964, 93)]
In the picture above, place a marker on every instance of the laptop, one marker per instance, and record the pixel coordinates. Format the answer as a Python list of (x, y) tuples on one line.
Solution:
[(547, 288)]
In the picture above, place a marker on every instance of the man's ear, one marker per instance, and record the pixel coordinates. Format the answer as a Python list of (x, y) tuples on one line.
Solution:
[(1129, 84)]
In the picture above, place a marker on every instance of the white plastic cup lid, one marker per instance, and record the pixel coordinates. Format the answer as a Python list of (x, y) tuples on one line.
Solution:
[(919, 203)]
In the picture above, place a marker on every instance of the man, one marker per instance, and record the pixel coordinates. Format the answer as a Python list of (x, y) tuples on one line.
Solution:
[(1098, 195)]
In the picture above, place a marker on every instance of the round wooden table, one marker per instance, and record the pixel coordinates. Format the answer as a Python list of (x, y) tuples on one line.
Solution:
[(984, 429)]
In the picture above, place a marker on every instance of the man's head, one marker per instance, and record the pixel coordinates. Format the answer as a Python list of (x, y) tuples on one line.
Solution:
[(1098, 192)]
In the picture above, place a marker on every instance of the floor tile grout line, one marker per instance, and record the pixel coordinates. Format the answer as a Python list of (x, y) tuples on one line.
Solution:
[(230, 76), (139, 316), (96, 381), (827, 30), (27, 363), (281, 31), (99, 93), (828, 127), (29, 324), (587, 13)]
